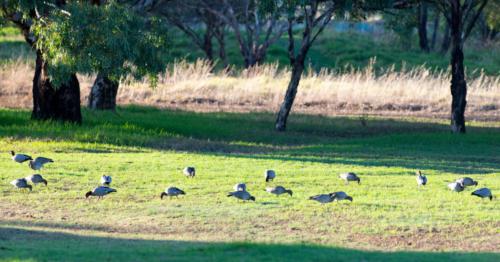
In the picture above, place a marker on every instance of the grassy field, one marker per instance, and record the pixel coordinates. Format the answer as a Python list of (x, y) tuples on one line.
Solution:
[(145, 149)]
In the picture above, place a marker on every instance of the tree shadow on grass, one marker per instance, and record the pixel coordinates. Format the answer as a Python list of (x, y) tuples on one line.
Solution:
[(413, 144), (49, 245)]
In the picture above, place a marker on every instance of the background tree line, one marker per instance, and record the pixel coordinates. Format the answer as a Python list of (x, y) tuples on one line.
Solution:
[(115, 39)]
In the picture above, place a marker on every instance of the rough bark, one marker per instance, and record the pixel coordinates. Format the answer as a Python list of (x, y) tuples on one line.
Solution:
[(291, 92), (458, 83), (103, 94), (422, 27), (49, 103)]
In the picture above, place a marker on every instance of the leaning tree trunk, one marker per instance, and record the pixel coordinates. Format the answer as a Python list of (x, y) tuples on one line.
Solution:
[(103, 94), (422, 27), (49, 103), (458, 83), (291, 92)]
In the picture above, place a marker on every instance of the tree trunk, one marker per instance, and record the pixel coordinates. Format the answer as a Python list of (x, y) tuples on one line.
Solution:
[(458, 83), (103, 94), (291, 92), (208, 47), (435, 28), (422, 27), (446, 39), (49, 103)]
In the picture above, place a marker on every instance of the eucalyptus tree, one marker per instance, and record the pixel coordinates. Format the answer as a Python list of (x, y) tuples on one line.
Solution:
[(461, 15), (75, 36), (256, 25), (200, 25)]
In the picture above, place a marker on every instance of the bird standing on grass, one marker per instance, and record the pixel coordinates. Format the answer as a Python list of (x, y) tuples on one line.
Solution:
[(106, 180), (269, 175), (189, 171), (20, 158), (100, 191), (279, 190), (322, 198), (483, 193), (240, 187), (457, 187), (466, 181), (39, 162), (350, 177), (242, 195), (21, 183), (341, 195), (172, 192), (36, 179), (421, 179)]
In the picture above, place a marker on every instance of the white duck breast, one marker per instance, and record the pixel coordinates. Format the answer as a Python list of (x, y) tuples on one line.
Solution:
[(483, 193), (21, 183), (189, 171), (269, 175), (243, 195), (172, 191), (36, 179), (106, 180), (322, 198), (350, 177), (421, 179), (338, 196), (466, 181), (100, 191), (39, 162), (240, 187), (20, 158), (279, 190), (457, 187)]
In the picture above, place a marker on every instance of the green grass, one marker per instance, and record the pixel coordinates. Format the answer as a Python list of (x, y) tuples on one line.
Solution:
[(145, 149)]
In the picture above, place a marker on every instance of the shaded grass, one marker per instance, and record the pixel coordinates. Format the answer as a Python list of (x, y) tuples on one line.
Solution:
[(29, 244), (145, 149)]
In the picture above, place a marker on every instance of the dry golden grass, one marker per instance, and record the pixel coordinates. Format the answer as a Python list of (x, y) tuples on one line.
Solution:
[(193, 86)]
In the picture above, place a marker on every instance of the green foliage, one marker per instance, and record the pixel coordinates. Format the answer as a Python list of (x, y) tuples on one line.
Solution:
[(492, 14), (110, 39), (403, 24)]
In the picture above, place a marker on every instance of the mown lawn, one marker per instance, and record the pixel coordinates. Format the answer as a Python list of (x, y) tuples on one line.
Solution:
[(145, 149)]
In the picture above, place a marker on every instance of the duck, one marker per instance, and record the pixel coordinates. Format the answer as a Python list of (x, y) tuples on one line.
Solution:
[(457, 187), (242, 195), (38, 163), (483, 193), (36, 179), (322, 198), (466, 181), (100, 191), (171, 192), (269, 175), (20, 158), (240, 187), (21, 183), (106, 180), (278, 190), (189, 171), (340, 195), (350, 177), (421, 179)]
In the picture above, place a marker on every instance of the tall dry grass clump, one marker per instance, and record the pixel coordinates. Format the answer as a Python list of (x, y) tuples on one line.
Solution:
[(195, 86)]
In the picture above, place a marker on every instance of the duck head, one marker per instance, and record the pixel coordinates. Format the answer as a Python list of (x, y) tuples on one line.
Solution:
[(349, 198), (290, 192), (44, 181), (12, 153), (88, 194), (163, 194), (252, 198), (359, 180), (30, 187)]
